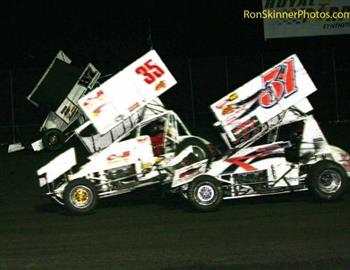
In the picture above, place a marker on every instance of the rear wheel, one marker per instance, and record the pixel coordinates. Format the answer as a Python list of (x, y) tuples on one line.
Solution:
[(327, 180), (200, 149), (80, 196), (53, 139), (205, 193)]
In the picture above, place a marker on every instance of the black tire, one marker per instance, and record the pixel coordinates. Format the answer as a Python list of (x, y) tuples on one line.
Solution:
[(205, 193), (53, 139), (327, 180), (200, 149), (80, 197)]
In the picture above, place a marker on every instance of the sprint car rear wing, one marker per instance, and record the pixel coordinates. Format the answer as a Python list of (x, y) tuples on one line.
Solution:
[(263, 103), (60, 88), (130, 90)]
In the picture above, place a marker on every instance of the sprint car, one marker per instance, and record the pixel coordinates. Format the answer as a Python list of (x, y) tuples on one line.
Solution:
[(133, 140), (144, 157), (275, 144), (69, 83), (284, 165)]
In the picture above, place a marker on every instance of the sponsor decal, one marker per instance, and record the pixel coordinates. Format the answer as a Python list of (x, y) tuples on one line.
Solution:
[(277, 83), (142, 139), (96, 112), (187, 174), (258, 154), (231, 97), (116, 157), (228, 109), (161, 85), (239, 161), (69, 112), (134, 107), (247, 129), (89, 101)]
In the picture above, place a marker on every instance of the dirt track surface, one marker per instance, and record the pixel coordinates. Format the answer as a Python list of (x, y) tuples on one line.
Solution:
[(143, 231)]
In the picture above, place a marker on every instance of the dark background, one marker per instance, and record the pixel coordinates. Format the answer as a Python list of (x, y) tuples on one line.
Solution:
[(210, 50), (207, 45)]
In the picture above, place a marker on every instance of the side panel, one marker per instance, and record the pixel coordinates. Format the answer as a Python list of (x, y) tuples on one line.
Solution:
[(186, 174), (249, 159), (57, 167), (136, 151)]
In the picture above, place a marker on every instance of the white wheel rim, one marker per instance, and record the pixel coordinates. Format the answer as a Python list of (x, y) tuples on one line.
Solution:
[(329, 181), (205, 194)]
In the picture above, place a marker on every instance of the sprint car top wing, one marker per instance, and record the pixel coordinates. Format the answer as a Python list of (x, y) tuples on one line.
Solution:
[(127, 92), (266, 96)]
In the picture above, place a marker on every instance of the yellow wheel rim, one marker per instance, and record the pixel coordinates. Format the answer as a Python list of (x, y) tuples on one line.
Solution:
[(81, 196)]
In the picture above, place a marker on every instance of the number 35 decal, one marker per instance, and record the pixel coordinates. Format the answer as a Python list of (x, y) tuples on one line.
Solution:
[(150, 71)]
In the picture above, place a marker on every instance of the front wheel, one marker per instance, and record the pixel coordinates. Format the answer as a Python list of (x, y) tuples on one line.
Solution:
[(327, 180), (80, 196), (205, 193)]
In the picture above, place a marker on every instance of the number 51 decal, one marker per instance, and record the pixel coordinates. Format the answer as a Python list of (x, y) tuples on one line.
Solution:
[(278, 82), (150, 71)]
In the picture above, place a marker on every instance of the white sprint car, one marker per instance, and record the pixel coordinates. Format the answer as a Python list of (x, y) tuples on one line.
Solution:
[(133, 140), (275, 144)]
